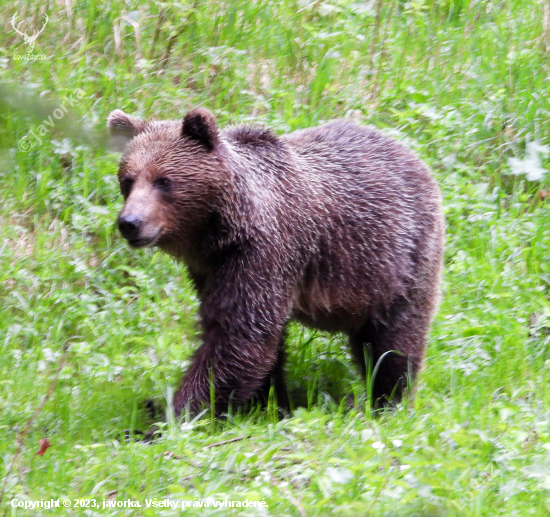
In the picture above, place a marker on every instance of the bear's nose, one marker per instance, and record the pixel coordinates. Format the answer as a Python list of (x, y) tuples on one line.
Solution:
[(129, 226)]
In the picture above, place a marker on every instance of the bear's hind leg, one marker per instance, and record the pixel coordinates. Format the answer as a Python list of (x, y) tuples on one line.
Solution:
[(393, 351)]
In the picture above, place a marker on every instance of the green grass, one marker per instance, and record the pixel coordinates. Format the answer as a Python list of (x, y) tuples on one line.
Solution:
[(465, 84)]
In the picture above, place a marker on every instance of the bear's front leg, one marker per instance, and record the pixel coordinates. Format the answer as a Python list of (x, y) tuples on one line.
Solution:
[(243, 314)]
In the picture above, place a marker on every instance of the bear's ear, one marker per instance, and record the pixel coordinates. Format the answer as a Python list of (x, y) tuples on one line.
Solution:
[(200, 125), (123, 128)]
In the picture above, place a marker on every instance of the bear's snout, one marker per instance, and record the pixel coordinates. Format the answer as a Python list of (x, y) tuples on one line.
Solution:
[(129, 226), (139, 231)]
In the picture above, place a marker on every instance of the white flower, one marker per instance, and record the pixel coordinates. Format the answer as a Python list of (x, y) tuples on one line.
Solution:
[(531, 164), (339, 475), (366, 435), (378, 446)]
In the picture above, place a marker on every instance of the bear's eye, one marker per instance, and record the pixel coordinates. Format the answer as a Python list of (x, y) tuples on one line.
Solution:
[(126, 186), (163, 183)]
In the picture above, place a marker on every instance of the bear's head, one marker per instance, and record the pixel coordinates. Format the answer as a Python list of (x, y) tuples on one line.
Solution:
[(170, 176)]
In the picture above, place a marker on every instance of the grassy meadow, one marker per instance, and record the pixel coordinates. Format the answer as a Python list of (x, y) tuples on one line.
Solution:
[(90, 330)]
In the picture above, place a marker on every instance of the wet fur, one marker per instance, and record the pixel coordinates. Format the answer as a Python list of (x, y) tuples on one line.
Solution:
[(337, 226)]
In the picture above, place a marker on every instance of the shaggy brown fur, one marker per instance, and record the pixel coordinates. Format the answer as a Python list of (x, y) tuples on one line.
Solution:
[(337, 226)]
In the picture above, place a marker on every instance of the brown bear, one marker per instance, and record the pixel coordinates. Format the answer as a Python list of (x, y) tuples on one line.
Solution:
[(338, 226)]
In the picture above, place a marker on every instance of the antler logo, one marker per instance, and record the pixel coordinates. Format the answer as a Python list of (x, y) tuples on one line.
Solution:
[(29, 40)]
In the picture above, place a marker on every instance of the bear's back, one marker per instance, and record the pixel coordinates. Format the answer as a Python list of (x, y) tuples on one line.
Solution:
[(380, 222), (343, 146)]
